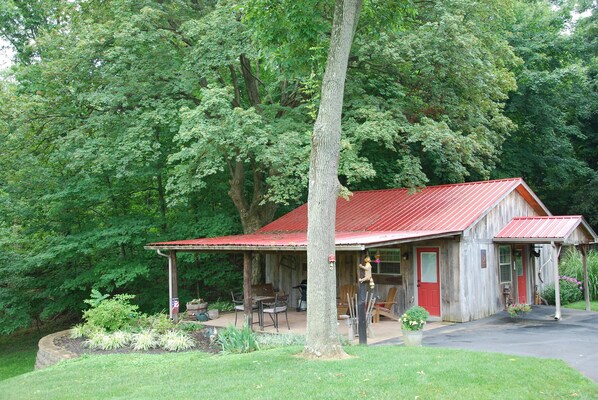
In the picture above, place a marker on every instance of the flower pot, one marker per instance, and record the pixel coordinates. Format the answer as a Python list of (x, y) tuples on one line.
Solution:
[(213, 314), (194, 309), (412, 338)]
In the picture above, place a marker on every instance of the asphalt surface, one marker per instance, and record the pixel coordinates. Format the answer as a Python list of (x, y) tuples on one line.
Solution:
[(573, 339)]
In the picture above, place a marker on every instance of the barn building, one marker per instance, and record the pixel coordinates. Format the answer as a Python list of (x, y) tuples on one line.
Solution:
[(460, 250)]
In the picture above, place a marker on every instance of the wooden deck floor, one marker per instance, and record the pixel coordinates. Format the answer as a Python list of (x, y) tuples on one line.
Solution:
[(385, 329)]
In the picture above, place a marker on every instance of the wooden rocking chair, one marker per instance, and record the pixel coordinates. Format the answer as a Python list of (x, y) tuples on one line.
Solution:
[(385, 308), (346, 292)]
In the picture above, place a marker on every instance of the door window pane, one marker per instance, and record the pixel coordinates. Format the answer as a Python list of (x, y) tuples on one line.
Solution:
[(519, 262), (428, 265)]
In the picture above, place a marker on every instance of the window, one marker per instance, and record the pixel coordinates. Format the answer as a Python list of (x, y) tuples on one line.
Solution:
[(504, 263), (390, 261)]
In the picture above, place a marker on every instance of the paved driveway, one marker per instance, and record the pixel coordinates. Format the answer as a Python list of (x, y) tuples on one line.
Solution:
[(573, 339)]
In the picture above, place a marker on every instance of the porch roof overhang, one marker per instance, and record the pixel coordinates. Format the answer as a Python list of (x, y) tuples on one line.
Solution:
[(570, 229), (297, 241)]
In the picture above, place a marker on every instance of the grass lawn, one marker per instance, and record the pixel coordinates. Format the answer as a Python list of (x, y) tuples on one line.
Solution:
[(581, 305), (17, 353), (375, 372)]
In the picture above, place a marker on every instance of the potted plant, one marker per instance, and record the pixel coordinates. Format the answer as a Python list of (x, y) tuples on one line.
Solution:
[(412, 325), (196, 306), (517, 310)]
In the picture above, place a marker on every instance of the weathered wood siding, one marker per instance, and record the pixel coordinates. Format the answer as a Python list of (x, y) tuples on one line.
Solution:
[(285, 270), (481, 292)]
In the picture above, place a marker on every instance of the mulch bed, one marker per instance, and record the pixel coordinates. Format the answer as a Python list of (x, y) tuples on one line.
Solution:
[(201, 337)]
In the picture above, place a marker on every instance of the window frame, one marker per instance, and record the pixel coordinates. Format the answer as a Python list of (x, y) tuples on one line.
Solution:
[(395, 259), (508, 265)]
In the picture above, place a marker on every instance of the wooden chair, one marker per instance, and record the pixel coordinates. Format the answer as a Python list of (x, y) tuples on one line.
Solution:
[(352, 321), (385, 308), (347, 291)]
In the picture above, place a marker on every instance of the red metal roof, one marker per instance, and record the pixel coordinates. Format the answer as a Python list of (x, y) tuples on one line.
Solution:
[(544, 229), (382, 216)]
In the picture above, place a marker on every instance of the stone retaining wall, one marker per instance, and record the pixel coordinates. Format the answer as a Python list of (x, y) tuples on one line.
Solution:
[(49, 354)]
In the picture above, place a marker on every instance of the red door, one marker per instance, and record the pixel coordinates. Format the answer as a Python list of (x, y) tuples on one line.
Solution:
[(521, 264), (428, 280)]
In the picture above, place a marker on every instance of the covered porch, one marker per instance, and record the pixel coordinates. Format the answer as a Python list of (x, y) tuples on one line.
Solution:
[(556, 232)]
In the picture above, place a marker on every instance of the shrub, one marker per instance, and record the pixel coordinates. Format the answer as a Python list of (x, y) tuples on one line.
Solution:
[(161, 323), (112, 314), (233, 340), (570, 291), (571, 265), (414, 319), (84, 330), (176, 341), (190, 326), (221, 305), (145, 340)]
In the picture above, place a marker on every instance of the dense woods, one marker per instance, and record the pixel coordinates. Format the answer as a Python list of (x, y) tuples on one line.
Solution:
[(125, 122)]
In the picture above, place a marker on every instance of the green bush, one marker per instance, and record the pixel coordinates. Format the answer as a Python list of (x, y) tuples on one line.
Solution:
[(221, 305), (112, 314), (161, 323), (233, 340), (571, 265), (570, 291), (414, 319)]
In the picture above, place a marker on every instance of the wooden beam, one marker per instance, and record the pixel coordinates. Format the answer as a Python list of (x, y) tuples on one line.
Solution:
[(361, 299), (557, 286), (586, 285), (174, 291), (247, 303)]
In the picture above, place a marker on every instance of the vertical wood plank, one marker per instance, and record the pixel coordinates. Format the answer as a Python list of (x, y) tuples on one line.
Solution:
[(247, 303)]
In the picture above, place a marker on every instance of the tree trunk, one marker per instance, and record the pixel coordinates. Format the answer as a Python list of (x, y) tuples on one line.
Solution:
[(324, 187)]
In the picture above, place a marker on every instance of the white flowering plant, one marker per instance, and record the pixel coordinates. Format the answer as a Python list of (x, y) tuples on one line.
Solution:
[(414, 319)]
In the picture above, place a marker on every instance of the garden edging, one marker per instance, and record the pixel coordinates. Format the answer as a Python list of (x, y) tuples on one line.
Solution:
[(49, 354)]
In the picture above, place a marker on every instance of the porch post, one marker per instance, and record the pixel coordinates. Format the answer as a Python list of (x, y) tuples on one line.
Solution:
[(173, 287), (361, 299), (557, 288), (247, 303), (586, 286)]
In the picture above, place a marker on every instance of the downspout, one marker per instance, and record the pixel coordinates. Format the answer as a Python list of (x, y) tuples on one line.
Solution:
[(169, 281)]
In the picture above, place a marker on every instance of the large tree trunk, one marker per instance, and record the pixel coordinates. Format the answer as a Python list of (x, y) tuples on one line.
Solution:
[(322, 334)]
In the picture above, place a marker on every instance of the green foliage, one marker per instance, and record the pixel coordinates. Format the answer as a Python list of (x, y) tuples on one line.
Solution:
[(190, 326), (571, 265), (112, 314), (96, 298), (414, 318), (233, 340), (222, 305), (108, 341), (517, 310), (161, 323), (570, 291), (145, 340), (174, 340)]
